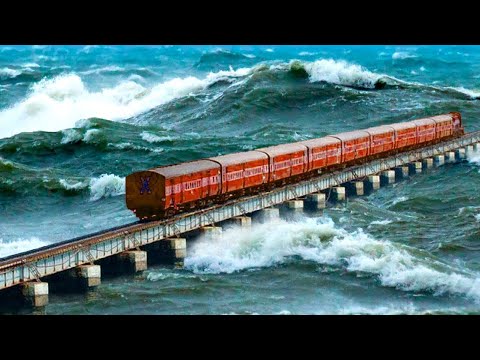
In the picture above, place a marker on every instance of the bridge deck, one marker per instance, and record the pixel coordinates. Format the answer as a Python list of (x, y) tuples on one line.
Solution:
[(34, 264)]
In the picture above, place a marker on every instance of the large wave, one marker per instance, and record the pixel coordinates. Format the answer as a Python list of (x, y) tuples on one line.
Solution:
[(394, 265), (342, 73), (57, 103)]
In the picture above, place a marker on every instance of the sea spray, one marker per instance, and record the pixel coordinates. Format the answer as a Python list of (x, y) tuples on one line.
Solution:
[(319, 240), (106, 185), (19, 245)]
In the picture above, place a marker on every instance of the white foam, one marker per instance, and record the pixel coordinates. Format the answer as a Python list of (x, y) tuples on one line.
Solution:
[(107, 185), (396, 309), (136, 77), (402, 55), (474, 94), (152, 138), (130, 146), (30, 65), (318, 240), (399, 200), (56, 104), (88, 48), (474, 157), (73, 186), (20, 245), (381, 222), (477, 217), (91, 135), (341, 73), (159, 276), (305, 53), (71, 136), (6, 73), (105, 69), (422, 68), (84, 123), (269, 50)]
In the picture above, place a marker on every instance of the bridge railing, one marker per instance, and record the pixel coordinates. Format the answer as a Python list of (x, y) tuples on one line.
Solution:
[(62, 256)]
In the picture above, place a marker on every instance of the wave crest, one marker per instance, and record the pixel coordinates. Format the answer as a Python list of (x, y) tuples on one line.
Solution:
[(106, 185), (341, 73), (58, 103)]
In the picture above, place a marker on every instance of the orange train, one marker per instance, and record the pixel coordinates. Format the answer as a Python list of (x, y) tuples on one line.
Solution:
[(165, 191)]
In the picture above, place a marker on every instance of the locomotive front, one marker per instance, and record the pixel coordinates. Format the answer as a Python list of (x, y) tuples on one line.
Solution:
[(145, 194)]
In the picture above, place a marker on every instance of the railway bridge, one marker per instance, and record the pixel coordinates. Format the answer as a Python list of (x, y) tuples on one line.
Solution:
[(81, 261)]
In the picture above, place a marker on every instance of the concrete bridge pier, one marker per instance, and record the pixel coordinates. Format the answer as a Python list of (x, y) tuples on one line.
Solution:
[(401, 172), (296, 204), (450, 156), (439, 160), (134, 261), (35, 293), (268, 214), (415, 167), (469, 150), (315, 201), (211, 231), (427, 163), (241, 221), (387, 177), (476, 147), (87, 276), (372, 182), (355, 188), (337, 194), (461, 154), (173, 250)]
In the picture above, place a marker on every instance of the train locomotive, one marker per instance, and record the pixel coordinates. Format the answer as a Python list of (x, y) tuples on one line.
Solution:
[(168, 190)]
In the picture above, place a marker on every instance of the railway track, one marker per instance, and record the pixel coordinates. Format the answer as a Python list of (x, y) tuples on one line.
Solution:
[(60, 256)]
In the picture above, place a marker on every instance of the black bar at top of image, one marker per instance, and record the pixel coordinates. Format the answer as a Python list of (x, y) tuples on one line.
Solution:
[(240, 23)]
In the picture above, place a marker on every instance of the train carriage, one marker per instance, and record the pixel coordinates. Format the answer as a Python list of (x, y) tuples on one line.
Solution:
[(242, 170), (382, 138), (165, 190), (425, 130), (323, 152), (355, 144), (286, 160), (405, 134), (444, 125)]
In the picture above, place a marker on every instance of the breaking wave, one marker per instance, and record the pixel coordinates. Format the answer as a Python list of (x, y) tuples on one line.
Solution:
[(107, 185), (73, 186), (58, 103), (394, 265), (7, 73), (152, 138), (341, 73), (474, 157)]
